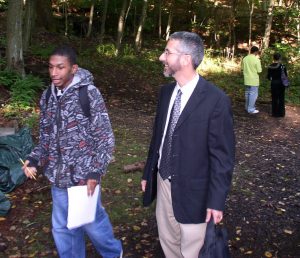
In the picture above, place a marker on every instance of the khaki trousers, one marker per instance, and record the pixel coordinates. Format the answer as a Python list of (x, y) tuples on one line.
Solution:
[(177, 240)]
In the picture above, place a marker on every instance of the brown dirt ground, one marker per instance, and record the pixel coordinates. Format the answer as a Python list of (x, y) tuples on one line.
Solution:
[(263, 207)]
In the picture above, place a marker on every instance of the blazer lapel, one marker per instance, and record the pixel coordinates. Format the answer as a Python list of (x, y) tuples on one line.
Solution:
[(195, 99)]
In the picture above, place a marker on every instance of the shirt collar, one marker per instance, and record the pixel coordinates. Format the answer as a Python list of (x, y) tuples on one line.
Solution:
[(188, 87)]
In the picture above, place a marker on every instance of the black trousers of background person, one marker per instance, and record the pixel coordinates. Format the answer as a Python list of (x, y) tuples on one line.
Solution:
[(277, 92)]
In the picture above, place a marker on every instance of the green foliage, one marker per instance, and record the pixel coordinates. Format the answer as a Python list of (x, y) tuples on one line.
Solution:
[(128, 50), (3, 5), (16, 110), (24, 91), (8, 78), (106, 49), (30, 121), (42, 51)]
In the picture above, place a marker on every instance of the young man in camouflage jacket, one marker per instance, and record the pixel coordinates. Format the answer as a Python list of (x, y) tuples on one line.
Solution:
[(74, 149)]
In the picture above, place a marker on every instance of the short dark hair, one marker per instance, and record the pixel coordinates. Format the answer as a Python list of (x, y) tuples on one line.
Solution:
[(67, 51), (254, 49), (190, 43), (276, 56)]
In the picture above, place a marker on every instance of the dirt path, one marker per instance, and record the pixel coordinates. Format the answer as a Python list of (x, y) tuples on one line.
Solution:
[(263, 208)]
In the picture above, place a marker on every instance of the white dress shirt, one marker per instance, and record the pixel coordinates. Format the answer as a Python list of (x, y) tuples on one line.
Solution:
[(187, 91)]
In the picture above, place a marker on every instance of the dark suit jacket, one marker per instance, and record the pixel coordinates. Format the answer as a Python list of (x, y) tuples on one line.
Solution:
[(202, 152)]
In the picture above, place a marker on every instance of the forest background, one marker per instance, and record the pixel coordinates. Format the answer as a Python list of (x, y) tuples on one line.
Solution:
[(120, 41)]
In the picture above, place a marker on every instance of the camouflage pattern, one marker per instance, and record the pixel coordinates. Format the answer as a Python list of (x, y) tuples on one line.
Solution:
[(73, 147)]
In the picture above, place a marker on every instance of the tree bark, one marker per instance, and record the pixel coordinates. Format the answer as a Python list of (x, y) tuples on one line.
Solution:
[(159, 18), (14, 48), (138, 38), (65, 11), (168, 29), (29, 23), (121, 26), (44, 16), (91, 19), (298, 24), (266, 39), (103, 20), (251, 9)]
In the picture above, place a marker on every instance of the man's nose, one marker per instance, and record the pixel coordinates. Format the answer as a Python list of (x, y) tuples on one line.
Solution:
[(162, 57), (53, 71)]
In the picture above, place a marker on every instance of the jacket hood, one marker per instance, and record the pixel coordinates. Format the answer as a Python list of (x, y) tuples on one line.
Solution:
[(82, 78)]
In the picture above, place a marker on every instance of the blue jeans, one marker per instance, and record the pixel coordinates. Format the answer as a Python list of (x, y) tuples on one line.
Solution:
[(251, 94), (71, 243)]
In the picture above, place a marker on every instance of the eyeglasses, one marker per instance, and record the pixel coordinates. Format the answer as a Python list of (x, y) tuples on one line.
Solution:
[(167, 53)]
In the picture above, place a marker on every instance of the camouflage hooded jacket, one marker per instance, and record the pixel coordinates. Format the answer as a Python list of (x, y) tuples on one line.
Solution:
[(72, 146)]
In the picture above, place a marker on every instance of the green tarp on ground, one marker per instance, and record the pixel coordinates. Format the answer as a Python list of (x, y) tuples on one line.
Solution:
[(12, 148)]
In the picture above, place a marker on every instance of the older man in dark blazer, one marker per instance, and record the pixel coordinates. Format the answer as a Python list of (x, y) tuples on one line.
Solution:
[(191, 155)]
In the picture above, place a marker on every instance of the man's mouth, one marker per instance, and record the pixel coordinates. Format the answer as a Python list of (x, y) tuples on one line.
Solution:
[(55, 81)]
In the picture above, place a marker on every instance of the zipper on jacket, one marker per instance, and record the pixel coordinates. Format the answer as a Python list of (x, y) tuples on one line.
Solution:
[(58, 124)]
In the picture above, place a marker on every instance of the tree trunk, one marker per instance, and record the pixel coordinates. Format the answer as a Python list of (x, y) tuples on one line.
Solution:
[(65, 11), (251, 9), (91, 19), (103, 20), (232, 25), (159, 19), (121, 26), (44, 16), (168, 29), (138, 38), (29, 22), (298, 24), (14, 49), (266, 39)]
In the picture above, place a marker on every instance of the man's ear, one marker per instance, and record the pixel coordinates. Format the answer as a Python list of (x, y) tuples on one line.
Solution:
[(74, 68), (186, 60)]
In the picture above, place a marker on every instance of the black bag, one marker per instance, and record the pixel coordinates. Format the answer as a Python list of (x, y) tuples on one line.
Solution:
[(215, 242), (284, 78)]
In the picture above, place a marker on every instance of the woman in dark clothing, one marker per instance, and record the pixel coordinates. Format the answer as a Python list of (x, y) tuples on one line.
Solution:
[(277, 88)]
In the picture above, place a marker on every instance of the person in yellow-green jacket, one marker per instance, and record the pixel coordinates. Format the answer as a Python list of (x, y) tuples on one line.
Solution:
[(251, 68)]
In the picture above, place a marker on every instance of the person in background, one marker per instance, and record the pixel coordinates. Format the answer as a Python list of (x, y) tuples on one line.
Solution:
[(191, 154), (74, 150), (277, 88), (251, 67)]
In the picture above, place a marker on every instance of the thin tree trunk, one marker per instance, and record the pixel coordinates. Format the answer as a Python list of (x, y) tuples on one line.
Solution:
[(251, 9), (65, 9), (121, 26), (232, 40), (14, 49), (138, 38), (29, 22), (298, 23), (168, 29), (159, 18), (44, 17), (266, 39), (127, 12), (103, 20), (91, 19), (128, 9)]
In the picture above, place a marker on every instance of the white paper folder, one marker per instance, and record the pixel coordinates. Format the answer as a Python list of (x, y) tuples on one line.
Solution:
[(82, 208)]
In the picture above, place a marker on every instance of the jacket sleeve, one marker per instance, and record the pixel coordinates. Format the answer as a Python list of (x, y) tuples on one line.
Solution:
[(221, 153), (39, 155), (102, 135)]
